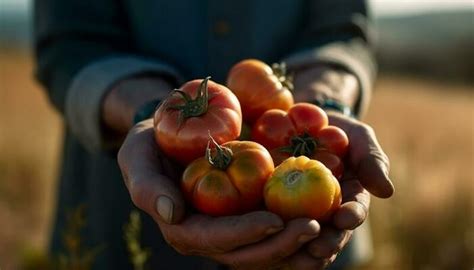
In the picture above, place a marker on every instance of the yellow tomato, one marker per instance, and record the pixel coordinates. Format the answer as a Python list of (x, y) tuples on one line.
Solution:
[(302, 187)]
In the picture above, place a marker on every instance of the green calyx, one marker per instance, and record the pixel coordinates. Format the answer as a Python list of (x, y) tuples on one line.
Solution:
[(222, 157), (280, 72), (303, 145), (192, 107)]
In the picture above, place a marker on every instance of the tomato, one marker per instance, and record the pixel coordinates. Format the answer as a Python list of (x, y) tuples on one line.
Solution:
[(302, 130), (260, 87), (330, 160), (183, 121), (228, 180), (302, 187)]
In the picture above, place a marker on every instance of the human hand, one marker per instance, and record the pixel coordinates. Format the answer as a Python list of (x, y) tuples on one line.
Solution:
[(256, 240), (365, 156), (121, 102), (323, 82), (366, 168)]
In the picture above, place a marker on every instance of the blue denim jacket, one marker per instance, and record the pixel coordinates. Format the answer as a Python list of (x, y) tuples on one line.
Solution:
[(83, 47)]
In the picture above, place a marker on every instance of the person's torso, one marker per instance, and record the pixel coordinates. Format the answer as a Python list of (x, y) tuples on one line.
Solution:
[(202, 38)]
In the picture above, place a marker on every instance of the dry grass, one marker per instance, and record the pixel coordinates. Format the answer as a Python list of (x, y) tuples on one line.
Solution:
[(30, 138), (425, 127)]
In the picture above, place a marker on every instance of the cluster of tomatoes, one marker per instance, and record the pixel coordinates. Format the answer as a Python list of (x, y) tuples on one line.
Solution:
[(202, 125)]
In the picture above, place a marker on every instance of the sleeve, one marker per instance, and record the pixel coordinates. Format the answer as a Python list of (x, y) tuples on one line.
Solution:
[(339, 33), (82, 48)]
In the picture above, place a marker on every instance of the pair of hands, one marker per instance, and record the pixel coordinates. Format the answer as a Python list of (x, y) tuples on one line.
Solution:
[(259, 240)]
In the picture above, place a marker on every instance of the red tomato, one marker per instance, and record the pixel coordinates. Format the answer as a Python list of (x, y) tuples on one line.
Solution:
[(260, 87), (184, 120), (229, 180), (302, 187), (303, 130)]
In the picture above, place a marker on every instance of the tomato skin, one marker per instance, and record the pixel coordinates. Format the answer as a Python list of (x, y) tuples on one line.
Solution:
[(273, 129), (334, 140), (231, 191), (258, 89), (330, 160), (302, 187), (184, 140), (276, 129), (307, 117)]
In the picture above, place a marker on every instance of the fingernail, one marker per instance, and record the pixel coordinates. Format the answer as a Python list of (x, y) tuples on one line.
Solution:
[(306, 237), (164, 207), (273, 230)]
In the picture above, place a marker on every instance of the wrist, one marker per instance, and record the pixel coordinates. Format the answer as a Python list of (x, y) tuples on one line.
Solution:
[(121, 103), (328, 86), (331, 105), (146, 110)]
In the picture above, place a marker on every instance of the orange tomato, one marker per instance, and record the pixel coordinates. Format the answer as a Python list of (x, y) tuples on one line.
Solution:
[(302, 187), (260, 87), (229, 180)]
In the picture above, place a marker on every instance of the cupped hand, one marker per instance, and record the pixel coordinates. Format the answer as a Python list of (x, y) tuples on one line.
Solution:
[(256, 240), (365, 156), (367, 173), (323, 250), (366, 159), (367, 166)]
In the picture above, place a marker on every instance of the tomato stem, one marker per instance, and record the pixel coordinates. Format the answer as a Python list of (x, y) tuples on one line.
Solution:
[(303, 145), (192, 107), (281, 73), (223, 156)]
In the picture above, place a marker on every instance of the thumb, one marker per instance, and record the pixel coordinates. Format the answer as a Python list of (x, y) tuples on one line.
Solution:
[(143, 174), (366, 156), (156, 195)]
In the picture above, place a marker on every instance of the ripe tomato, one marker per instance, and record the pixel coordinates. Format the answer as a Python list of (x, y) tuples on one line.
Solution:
[(229, 180), (330, 160), (303, 130), (260, 87), (183, 121), (302, 187)]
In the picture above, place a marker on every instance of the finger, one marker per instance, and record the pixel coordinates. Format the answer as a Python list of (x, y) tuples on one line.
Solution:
[(171, 169), (349, 216), (263, 254), (141, 168), (355, 207), (329, 242), (204, 235), (302, 260), (366, 156)]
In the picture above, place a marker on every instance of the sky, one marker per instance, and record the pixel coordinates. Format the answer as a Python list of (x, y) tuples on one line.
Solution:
[(379, 7), (397, 7)]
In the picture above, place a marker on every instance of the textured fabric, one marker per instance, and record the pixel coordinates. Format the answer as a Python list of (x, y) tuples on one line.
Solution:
[(76, 42), (347, 55), (85, 94)]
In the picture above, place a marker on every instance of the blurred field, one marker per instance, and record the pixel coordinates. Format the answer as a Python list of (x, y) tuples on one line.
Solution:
[(427, 129), (30, 137)]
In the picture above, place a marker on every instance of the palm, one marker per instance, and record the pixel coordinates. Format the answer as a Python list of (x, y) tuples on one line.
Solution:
[(366, 171)]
